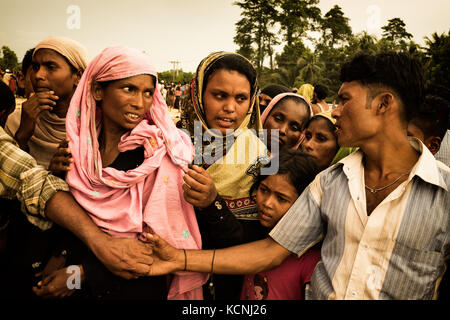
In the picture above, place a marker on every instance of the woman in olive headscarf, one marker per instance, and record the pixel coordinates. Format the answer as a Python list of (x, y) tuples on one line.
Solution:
[(228, 152)]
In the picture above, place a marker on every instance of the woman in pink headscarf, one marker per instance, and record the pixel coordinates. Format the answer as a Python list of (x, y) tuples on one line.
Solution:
[(128, 166), (288, 113)]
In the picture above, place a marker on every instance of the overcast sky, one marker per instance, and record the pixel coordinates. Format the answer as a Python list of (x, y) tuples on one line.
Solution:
[(184, 30)]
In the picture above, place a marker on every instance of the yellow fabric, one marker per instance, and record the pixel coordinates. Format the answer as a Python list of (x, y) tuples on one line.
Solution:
[(306, 90), (233, 173)]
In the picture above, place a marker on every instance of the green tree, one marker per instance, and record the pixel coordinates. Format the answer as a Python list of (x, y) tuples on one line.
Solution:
[(296, 17), (437, 58), (335, 27), (309, 68), (258, 18), (180, 76), (395, 32), (244, 38), (9, 59)]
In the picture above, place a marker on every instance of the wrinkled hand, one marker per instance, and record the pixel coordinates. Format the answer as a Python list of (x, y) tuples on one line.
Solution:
[(60, 163), (126, 258), (166, 259), (199, 188), (54, 285)]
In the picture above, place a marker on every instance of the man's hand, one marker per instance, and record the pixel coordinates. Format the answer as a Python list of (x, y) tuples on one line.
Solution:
[(31, 109), (199, 188), (127, 258), (60, 163)]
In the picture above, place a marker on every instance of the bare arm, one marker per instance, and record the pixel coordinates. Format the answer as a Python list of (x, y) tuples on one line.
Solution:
[(127, 258), (247, 258)]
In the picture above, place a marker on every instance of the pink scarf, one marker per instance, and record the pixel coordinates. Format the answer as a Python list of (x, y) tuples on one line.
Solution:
[(274, 102), (127, 204)]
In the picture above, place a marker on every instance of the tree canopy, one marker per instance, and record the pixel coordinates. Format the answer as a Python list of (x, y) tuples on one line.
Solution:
[(311, 46)]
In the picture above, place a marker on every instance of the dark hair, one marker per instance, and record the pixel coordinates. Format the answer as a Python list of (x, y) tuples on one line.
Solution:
[(295, 99), (7, 99), (299, 167), (232, 62), (398, 72), (275, 89), (433, 117), (321, 91), (26, 62)]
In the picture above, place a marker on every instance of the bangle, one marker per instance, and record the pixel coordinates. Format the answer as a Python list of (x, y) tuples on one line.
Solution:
[(185, 259), (212, 290), (212, 261)]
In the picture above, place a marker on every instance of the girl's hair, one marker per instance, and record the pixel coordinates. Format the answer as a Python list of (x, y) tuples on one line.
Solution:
[(299, 167), (232, 62), (330, 125)]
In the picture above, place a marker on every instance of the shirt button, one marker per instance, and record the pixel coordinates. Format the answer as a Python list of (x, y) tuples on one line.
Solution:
[(354, 293)]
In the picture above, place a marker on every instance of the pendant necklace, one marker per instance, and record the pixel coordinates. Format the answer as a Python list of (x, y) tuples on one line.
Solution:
[(382, 188)]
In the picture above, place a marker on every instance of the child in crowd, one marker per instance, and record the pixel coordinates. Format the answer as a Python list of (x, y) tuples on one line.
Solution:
[(275, 194)]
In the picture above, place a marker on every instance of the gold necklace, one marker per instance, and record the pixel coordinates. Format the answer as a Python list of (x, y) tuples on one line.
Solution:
[(382, 188)]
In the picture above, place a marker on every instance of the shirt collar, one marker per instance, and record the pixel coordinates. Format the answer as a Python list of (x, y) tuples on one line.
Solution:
[(426, 167)]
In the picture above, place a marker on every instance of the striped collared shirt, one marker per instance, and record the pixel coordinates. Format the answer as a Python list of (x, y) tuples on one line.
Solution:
[(21, 177), (443, 154), (397, 252)]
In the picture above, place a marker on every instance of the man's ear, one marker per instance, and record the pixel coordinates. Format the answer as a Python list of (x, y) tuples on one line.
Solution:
[(385, 101), (433, 144), (97, 91)]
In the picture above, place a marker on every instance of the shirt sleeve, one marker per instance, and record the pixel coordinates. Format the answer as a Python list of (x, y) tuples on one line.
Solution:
[(21, 177), (302, 226)]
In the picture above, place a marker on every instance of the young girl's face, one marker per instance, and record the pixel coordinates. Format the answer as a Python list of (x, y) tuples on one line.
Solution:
[(274, 196), (320, 142), (226, 100), (289, 117), (124, 102)]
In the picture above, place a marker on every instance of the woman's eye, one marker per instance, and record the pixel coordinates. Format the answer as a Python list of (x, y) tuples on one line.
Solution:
[(282, 200), (321, 138), (148, 94), (127, 89)]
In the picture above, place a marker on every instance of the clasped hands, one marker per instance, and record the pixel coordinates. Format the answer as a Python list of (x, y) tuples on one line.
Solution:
[(130, 258)]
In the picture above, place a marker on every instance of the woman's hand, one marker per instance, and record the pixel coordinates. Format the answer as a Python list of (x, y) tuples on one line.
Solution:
[(60, 163), (55, 285), (166, 259), (199, 188)]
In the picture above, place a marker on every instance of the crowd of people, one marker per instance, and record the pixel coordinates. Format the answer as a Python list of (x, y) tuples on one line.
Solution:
[(254, 194)]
